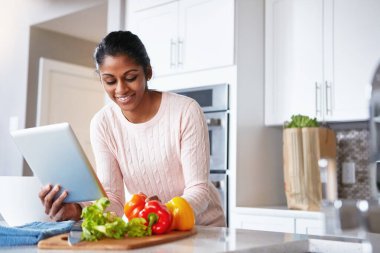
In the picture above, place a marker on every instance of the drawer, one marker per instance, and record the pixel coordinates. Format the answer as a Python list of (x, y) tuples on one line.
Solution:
[(309, 226), (266, 223)]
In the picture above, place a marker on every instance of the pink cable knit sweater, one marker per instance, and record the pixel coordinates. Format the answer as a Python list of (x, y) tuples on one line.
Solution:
[(166, 156)]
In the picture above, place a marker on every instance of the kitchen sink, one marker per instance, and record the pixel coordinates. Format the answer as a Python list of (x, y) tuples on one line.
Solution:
[(320, 245)]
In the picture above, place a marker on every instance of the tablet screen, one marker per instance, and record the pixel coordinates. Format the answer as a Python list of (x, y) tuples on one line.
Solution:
[(55, 156)]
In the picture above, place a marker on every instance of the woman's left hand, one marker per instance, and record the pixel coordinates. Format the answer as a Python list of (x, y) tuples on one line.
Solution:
[(154, 197), (55, 208)]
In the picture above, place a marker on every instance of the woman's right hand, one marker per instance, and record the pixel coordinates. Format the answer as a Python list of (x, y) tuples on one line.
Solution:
[(54, 206)]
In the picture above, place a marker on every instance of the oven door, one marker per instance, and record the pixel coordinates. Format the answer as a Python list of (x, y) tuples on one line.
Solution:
[(220, 181), (217, 123)]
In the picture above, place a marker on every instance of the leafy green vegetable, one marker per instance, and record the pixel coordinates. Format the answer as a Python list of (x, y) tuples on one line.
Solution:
[(137, 228), (98, 224), (299, 121)]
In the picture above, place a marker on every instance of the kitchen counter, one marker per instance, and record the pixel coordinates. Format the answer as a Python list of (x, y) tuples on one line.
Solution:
[(211, 239)]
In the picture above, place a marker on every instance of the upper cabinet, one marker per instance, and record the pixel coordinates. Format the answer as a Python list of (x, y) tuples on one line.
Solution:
[(157, 28), (185, 35), (320, 58), (293, 59), (355, 54)]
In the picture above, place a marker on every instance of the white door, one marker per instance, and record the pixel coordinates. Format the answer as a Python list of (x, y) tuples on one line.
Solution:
[(294, 59), (206, 38), (355, 51), (158, 28), (69, 93)]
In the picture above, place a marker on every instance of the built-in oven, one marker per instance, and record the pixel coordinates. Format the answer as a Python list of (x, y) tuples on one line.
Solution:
[(214, 100)]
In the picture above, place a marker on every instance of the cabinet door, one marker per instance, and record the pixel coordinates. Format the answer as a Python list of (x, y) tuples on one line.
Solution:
[(265, 223), (294, 67), (157, 28), (309, 226), (206, 34), (355, 54)]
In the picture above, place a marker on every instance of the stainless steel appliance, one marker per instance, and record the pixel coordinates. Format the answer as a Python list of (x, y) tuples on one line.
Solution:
[(214, 100)]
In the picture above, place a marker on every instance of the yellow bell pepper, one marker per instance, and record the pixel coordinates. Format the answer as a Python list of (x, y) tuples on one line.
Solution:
[(183, 214)]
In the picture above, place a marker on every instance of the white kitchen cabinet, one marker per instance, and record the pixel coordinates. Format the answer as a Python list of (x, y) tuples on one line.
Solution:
[(320, 58), (265, 223), (206, 34), (279, 219), (293, 60), (186, 35), (351, 62), (309, 226), (157, 28)]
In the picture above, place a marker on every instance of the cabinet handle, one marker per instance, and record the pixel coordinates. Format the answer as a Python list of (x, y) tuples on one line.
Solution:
[(328, 98), (214, 122), (317, 99), (172, 53), (180, 52)]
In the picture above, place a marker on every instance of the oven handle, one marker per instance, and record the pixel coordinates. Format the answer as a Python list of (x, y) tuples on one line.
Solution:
[(214, 122)]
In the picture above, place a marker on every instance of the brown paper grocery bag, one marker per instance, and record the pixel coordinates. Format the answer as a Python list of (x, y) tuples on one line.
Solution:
[(302, 149)]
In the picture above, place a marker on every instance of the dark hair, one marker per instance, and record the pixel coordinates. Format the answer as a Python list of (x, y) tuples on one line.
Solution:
[(122, 43)]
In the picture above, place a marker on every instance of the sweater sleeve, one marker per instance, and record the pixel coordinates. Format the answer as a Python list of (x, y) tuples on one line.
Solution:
[(107, 166), (195, 157)]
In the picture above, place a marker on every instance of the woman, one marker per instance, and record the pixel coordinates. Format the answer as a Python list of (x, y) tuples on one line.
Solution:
[(150, 141)]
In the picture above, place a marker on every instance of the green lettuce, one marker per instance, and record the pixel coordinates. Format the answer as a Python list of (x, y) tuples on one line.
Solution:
[(299, 121), (98, 224)]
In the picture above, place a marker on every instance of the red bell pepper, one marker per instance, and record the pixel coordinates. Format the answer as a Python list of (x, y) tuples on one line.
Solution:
[(157, 216), (133, 207)]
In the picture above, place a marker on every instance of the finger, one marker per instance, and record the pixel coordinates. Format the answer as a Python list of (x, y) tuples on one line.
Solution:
[(154, 197), (59, 216), (43, 192), (57, 204), (48, 200)]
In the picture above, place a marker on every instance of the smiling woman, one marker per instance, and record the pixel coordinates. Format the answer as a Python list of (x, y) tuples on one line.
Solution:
[(125, 83), (148, 141)]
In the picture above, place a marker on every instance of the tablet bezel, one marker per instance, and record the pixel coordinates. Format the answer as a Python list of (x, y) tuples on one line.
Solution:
[(55, 156)]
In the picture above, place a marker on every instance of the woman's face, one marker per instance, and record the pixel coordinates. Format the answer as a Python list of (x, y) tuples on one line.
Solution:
[(124, 81)]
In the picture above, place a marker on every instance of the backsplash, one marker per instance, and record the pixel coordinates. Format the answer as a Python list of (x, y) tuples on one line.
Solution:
[(353, 146)]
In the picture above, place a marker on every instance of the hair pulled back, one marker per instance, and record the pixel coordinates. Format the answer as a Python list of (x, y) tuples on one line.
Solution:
[(122, 43)]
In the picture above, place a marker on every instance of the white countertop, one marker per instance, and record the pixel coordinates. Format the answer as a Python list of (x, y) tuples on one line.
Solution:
[(210, 239)]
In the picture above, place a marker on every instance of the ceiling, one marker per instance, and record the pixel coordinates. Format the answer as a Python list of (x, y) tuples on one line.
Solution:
[(89, 24)]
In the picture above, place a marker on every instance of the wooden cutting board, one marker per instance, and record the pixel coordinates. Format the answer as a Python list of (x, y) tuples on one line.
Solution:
[(60, 242)]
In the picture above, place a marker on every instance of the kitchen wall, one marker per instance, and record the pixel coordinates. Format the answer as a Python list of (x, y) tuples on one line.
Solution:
[(353, 146), (16, 19), (259, 175)]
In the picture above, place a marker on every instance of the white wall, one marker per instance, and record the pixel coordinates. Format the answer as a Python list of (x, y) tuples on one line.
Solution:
[(259, 173), (16, 17)]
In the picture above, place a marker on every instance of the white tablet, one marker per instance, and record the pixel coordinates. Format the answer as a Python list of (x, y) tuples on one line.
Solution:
[(55, 156)]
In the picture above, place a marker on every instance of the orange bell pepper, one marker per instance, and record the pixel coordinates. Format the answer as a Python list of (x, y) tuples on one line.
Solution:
[(183, 214), (134, 205)]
